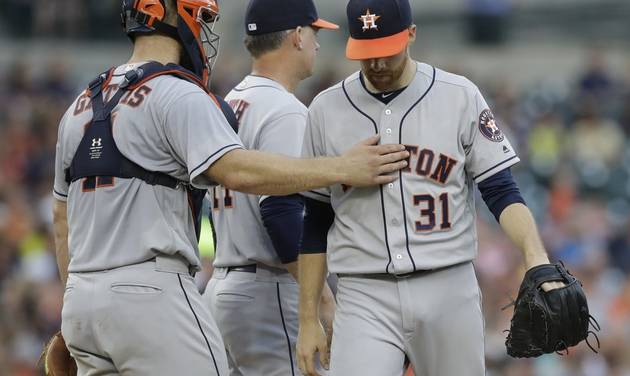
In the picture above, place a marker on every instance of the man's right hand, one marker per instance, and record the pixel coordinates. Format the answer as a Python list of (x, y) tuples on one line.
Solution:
[(311, 340), (369, 163), (327, 308)]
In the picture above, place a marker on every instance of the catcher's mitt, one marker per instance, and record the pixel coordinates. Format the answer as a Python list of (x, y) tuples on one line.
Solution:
[(553, 321), (57, 359)]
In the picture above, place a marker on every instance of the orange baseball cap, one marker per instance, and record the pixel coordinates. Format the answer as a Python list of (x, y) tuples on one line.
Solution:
[(378, 28)]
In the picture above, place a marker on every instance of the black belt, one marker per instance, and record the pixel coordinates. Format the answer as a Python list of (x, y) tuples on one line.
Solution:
[(244, 268), (403, 275)]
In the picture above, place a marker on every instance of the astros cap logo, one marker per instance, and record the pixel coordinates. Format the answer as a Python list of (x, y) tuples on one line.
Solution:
[(369, 21), (378, 28)]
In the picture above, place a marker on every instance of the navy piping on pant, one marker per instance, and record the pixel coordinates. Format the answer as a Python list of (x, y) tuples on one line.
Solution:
[(216, 367), (284, 326)]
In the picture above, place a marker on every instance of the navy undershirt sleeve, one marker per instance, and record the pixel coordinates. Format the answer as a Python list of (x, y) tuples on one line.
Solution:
[(318, 218), (499, 191), (283, 217)]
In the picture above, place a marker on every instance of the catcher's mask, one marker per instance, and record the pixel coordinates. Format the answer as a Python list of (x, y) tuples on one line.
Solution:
[(195, 29)]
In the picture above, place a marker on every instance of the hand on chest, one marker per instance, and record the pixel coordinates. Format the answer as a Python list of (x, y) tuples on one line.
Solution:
[(432, 141)]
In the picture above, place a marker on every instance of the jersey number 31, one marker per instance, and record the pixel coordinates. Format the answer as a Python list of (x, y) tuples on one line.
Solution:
[(427, 221)]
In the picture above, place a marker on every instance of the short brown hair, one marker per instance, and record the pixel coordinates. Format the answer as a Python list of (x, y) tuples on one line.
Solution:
[(258, 45)]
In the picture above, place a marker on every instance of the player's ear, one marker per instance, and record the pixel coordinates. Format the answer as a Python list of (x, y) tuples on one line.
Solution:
[(412, 33), (298, 37)]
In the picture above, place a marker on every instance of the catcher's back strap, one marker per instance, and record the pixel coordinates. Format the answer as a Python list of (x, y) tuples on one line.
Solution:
[(99, 161)]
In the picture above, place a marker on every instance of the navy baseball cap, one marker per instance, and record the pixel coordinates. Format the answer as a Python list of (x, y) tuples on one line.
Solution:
[(268, 16), (378, 28)]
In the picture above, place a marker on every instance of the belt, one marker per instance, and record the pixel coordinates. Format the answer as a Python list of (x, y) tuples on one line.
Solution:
[(244, 268), (175, 264), (403, 275)]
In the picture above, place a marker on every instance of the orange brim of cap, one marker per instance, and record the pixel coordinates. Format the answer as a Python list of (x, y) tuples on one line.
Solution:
[(361, 49), (323, 24)]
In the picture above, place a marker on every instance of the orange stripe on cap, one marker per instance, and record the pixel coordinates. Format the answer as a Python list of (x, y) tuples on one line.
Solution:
[(323, 24), (361, 49)]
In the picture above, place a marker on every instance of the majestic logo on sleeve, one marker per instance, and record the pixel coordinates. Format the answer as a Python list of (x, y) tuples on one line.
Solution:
[(488, 127), (369, 21)]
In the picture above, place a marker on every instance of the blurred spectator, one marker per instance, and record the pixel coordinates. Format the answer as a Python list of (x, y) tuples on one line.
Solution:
[(545, 145), (594, 139), (596, 82), (625, 112), (619, 249), (595, 144), (59, 18), (18, 15), (562, 196), (76, 19), (487, 20)]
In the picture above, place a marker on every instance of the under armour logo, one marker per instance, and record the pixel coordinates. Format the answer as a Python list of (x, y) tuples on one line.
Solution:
[(369, 21), (96, 142)]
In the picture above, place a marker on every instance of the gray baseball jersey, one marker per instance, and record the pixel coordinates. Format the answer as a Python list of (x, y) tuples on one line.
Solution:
[(270, 119), (262, 303), (425, 219), (167, 125)]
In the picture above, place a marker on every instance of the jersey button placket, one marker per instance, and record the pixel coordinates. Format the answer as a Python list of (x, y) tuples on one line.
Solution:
[(389, 135), (388, 127)]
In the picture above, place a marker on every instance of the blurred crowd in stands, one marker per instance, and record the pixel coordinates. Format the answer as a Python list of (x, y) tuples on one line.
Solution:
[(75, 19), (575, 175)]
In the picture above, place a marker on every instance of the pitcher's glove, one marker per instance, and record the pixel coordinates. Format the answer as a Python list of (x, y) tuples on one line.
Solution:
[(546, 322), (57, 359)]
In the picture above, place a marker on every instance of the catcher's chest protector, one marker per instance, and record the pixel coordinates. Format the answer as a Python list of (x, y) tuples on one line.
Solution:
[(98, 160)]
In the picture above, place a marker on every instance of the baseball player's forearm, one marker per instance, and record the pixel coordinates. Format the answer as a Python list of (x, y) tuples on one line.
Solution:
[(312, 277), (264, 173), (255, 172), (327, 308), (60, 223), (519, 225), (327, 302)]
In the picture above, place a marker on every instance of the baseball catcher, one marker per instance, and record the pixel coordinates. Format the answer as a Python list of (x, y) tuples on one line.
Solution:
[(549, 321)]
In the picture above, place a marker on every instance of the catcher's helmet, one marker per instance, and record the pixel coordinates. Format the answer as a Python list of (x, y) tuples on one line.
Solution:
[(195, 24)]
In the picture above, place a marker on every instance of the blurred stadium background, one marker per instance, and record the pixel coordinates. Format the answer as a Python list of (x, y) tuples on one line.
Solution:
[(557, 75)]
